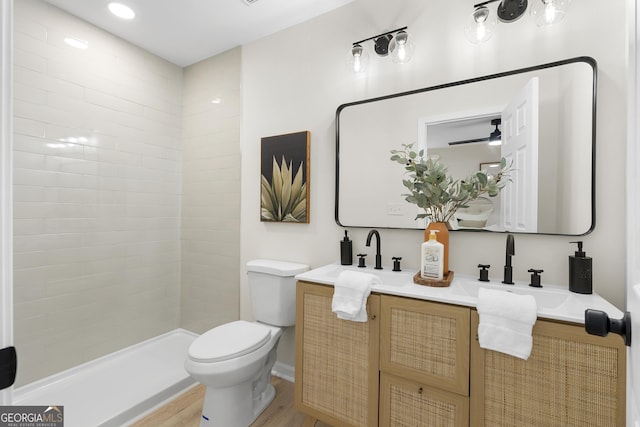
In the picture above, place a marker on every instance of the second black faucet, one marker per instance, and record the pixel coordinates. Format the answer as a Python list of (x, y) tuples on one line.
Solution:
[(508, 268), (378, 256)]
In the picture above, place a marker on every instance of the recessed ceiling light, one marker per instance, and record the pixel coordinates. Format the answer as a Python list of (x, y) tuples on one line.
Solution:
[(217, 100), (121, 11), (77, 43)]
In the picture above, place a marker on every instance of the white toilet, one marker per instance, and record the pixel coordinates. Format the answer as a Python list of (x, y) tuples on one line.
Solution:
[(234, 360)]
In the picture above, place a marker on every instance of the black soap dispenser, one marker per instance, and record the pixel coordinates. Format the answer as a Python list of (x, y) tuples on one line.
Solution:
[(346, 250), (580, 272)]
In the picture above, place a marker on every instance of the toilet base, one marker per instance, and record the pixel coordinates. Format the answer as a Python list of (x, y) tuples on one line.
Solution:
[(234, 406), (231, 404)]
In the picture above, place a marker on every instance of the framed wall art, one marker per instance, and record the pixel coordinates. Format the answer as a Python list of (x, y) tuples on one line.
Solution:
[(284, 192)]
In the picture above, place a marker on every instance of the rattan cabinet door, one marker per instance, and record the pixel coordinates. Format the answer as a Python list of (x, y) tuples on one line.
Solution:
[(571, 379), (408, 403), (336, 375), (425, 341)]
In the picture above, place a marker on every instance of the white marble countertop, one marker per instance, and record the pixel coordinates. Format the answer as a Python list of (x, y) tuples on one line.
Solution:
[(553, 302)]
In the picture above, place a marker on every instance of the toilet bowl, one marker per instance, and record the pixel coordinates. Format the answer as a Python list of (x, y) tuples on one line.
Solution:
[(234, 360)]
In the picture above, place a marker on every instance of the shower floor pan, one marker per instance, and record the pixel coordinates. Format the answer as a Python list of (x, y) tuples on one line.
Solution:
[(116, 389)]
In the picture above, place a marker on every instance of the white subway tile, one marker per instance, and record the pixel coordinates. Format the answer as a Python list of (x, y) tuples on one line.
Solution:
[(27, 127), (25, 193), (29, 177), (30, 210), (113, 102), (46, 242), (29, 93), (23, 227), (70, 195), (25, 160)]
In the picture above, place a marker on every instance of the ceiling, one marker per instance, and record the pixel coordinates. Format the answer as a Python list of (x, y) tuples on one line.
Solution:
[(187, 31)]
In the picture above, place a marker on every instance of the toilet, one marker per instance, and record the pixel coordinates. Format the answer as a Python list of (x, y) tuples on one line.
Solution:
[(234, 360)]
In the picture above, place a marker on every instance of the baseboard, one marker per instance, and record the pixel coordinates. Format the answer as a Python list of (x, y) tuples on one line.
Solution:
[(281, 370)]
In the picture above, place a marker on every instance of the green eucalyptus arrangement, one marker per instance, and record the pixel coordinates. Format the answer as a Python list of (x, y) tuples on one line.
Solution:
[(431, 189)]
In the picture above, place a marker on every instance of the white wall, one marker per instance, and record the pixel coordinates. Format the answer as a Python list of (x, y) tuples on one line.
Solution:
[(294, 81), (97, 164), (210, 231)]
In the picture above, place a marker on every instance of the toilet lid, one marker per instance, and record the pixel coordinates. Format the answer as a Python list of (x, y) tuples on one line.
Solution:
[(228, 341)]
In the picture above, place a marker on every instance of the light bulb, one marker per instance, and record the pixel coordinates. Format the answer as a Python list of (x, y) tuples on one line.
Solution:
[(358, 59), (479, 27), (481, 31), (549, 12), (401, 48), (357, 64)]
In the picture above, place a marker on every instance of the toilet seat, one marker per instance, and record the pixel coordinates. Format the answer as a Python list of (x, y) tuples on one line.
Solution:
[(229, 341)]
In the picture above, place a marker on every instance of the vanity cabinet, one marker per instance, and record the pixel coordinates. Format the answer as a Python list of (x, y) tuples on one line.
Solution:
[(337, 368), (419, 363), (570, 379), (424, 363)]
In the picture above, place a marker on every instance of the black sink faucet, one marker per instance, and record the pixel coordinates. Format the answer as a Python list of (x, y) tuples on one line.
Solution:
[(378, 256), (508, 269)]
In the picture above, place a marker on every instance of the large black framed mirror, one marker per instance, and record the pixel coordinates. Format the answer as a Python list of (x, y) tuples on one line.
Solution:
[(454, 122)]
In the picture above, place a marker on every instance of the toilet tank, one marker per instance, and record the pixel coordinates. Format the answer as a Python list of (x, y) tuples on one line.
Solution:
[(273, 290)]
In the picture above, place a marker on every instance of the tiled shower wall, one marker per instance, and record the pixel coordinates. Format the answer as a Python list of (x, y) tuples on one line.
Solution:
[(97, 182), (211, 193)]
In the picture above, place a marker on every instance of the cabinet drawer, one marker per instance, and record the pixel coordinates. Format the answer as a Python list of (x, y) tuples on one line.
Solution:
[(426, 341), (408, 403)]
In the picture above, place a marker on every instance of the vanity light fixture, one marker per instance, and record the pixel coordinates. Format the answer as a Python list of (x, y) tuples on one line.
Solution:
[(396, 42), (479, 27)]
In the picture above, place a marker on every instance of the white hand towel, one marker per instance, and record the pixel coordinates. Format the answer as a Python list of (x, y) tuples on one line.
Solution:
[(351, 290), (506, 321)]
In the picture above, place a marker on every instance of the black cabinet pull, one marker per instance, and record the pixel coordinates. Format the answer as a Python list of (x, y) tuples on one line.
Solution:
[(598, 323)]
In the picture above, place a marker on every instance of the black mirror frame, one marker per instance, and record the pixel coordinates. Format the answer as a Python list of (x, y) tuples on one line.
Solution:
[(585, 59)]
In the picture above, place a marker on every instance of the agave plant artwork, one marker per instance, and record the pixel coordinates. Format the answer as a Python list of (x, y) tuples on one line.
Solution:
[(437, 193), (285, 197)]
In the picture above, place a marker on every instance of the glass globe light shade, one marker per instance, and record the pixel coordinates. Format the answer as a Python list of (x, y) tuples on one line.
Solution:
[(549, 12), (401, 48), (480, 25), (358, 59)]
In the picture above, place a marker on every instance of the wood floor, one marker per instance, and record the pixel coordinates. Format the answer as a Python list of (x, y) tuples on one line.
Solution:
[(185, 410)]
